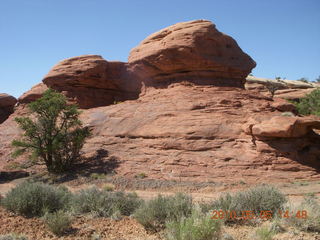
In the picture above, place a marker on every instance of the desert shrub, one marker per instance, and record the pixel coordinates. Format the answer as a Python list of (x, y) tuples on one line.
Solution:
[(257, 199), (154, 214), (34, 199), (310, 104), (272, 87), (54, 134), (13, 237), (197, 226), (104, 203), (58, 222), (264, 233), (309, 222), (303, 79)]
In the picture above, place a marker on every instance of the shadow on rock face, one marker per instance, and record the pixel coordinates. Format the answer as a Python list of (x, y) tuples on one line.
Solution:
[(304, 150)]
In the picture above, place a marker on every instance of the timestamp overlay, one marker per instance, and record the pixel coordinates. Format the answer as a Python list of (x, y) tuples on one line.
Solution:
[(265, 214)]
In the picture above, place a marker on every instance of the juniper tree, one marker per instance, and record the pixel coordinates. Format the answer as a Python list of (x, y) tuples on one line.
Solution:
[(53, 134)]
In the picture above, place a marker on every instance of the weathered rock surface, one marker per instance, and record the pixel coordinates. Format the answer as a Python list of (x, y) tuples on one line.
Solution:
[(33, 94), (194, 51), (194, 133), (285, 127), (91, 81), (283, 105), (293, 94), (7, 103), (195, 123), (287, 89)]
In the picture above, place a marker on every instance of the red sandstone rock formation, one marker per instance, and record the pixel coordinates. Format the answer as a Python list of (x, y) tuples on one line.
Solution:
[(33, 94), (188, 129), (7, 103), (195, 51), (90, 81)]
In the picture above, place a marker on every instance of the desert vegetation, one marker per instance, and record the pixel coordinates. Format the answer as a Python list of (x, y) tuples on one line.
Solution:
[(310, 104), (53, 134), (176, 217)]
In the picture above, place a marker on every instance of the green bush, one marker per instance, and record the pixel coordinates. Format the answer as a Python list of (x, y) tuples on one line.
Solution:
[(58, 222), (256, 199), (103, 203), (13, 237), (154, 214), (310, 104), (198, 226), (54, 135), (34, 199), (311, 222)]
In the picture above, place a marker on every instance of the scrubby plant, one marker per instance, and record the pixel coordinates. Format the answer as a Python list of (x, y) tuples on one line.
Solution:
[(197, 226), (141, 175), (108, 187), (54, 134), (154, 213), (264, 233), (303, 79), (97, 176), (104, 203), (310, 104), (306, 216), (34, 199), (256, 199), (272, 87), (13, 236), (58, 222)]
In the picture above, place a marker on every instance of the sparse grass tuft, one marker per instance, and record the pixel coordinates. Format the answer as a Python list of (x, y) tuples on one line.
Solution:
[(264, 233), (108, 187), (141, 175), (58, 222), (97, 176), (198, 226)]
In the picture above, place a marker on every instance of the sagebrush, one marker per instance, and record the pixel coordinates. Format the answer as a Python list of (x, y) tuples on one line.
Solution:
[(33, 199), (154, 213), (58, 222), (197, 226), (311, 220), (256, 199), (104, 203)]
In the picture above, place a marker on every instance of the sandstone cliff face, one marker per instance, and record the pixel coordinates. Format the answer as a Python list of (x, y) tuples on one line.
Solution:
[(33, 94), (194, 51), (192, 121), (7, 103), (90, 81)]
